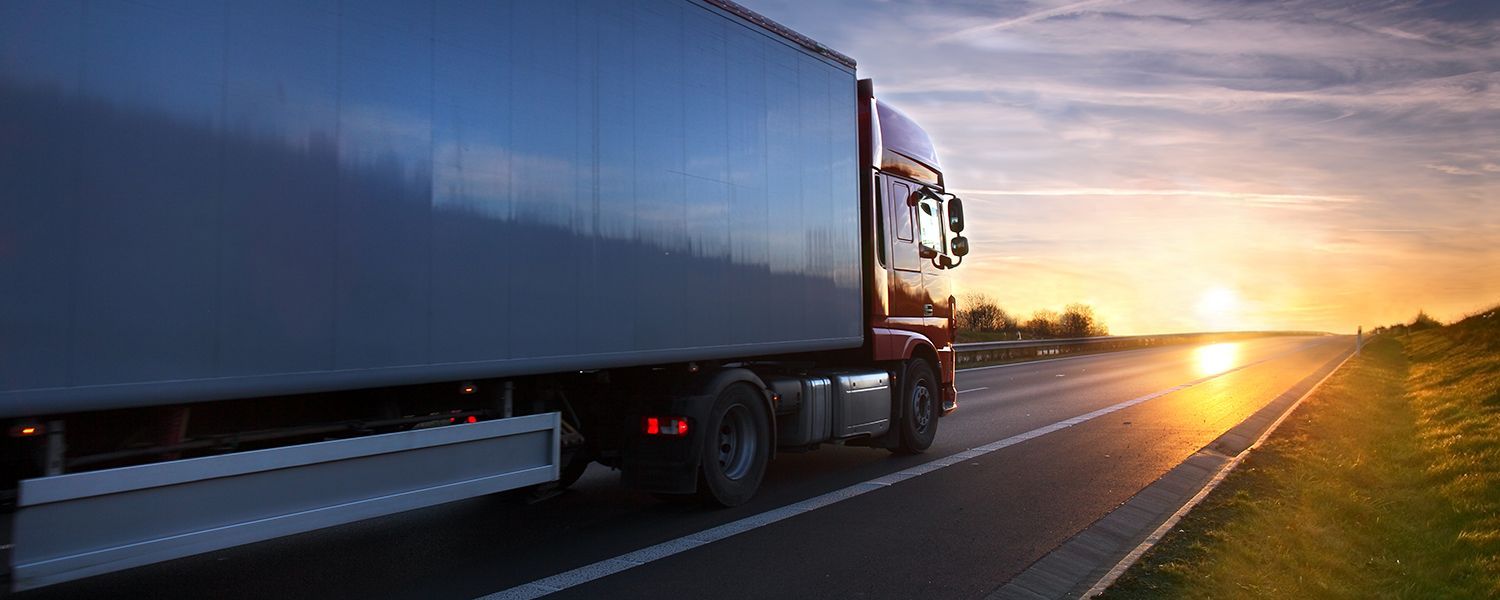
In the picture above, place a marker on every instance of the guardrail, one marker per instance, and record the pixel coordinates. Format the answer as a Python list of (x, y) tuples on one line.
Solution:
[(1016, 350)]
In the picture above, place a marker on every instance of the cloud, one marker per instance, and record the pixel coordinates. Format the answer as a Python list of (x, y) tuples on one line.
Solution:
[(1007, 23), (1452, 170), (1264, 198)]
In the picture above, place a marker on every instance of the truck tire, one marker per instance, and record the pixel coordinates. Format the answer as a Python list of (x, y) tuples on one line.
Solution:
[(736, 447), (920, 397)]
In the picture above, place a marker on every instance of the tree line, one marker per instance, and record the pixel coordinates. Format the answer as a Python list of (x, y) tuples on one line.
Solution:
[(979, 313)]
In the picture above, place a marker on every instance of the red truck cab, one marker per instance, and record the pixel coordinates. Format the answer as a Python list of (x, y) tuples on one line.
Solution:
[(913, 226)]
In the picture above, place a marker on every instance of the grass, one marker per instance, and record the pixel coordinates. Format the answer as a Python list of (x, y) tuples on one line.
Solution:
[(1384, 484)]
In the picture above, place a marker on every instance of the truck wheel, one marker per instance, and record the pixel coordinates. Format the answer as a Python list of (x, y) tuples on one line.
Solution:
[(736, 447), (919, 408)]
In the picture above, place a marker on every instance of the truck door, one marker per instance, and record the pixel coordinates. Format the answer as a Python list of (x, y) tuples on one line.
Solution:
[(907, 296)]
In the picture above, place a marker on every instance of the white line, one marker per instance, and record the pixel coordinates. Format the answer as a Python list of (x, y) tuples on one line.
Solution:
[(973, 390), (610, 566)]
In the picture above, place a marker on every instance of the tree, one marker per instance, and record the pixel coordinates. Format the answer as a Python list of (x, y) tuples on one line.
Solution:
[(1042, 324), (978, 312), (1078, 320)]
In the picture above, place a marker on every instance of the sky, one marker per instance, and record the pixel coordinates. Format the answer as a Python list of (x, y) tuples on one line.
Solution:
[(1203, 165)]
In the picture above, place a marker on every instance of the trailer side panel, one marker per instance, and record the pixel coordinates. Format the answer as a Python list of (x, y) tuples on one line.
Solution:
[(210, 200)]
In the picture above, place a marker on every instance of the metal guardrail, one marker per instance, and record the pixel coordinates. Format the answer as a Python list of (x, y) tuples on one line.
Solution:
[(1009, 350)]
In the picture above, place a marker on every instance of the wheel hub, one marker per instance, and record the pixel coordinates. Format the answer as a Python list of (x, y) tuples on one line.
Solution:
[(921, 405), (736, 443)]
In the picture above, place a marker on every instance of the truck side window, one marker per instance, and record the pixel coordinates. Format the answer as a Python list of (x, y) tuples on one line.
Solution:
[(930, 225), (901, 211), (880, 239)]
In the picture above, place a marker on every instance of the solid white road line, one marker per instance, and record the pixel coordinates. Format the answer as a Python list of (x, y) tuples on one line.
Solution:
[(610, 566), (973, 390)]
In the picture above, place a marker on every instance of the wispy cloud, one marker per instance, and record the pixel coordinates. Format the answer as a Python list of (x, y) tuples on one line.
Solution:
[(1032, 17), (1126, 193), (1452, 170)]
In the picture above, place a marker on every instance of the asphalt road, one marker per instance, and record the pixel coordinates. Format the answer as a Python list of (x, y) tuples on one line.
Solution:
[(955, 532)]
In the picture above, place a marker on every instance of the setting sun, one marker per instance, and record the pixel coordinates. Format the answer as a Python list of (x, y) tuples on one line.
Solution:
[(1218, 308)]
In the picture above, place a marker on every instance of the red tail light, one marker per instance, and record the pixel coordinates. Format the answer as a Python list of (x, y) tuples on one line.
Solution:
[(673, 426)]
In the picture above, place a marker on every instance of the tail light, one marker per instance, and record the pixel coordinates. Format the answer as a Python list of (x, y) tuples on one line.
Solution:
[(27, 430), (670, 426)]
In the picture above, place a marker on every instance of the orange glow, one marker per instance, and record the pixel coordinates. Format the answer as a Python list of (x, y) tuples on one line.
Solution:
[(1215, 358), (1218, 308), (28, 431)]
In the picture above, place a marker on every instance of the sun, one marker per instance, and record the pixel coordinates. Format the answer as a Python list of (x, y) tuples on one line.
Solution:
[(1218, 308)]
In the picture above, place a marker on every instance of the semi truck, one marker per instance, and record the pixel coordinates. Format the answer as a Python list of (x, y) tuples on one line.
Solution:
[(269, 267)]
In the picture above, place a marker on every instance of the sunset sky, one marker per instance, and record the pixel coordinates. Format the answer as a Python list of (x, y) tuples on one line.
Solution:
[(1192, 165)]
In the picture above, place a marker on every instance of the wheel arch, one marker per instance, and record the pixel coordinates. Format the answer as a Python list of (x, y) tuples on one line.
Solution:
[(901, 345)]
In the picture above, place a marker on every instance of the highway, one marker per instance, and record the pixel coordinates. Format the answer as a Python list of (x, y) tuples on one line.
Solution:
[(925, 527)]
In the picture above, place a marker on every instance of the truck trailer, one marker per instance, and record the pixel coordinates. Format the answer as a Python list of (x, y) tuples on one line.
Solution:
[(268, 267)]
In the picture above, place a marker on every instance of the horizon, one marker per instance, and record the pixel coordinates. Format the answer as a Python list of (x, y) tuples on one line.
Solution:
[(1204, 166)]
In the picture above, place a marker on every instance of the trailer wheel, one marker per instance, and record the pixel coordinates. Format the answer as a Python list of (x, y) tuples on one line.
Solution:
[(920, 399), (736, 447)]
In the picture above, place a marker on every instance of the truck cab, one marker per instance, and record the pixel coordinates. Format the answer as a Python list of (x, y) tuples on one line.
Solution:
[(916, 226)]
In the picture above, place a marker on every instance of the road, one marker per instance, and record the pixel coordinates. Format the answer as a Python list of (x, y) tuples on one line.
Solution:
[(959, 531)]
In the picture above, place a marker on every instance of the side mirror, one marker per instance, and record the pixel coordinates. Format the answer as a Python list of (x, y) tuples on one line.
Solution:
[(960, 246), (923, 193), (956, 216)]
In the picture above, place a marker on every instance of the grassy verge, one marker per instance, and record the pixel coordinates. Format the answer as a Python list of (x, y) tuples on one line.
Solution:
[(1385, 483)]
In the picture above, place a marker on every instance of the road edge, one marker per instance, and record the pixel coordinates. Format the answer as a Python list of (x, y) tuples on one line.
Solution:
[(1090, 561)]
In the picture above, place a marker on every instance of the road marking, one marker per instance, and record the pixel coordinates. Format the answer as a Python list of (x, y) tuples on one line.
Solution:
[(609, 566), (973, 390)]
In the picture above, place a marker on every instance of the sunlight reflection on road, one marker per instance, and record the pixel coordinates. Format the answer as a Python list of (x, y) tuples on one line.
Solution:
[(1216, 358)]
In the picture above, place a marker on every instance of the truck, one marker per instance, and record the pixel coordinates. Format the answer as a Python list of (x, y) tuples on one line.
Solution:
[(269, 267)]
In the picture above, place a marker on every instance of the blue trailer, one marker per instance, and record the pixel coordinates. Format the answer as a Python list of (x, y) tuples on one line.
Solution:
[(240, 199)]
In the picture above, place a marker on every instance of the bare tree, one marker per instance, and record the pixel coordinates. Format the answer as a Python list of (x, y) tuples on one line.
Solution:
[(1078, 320), (1042, 324), (978, 312)]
